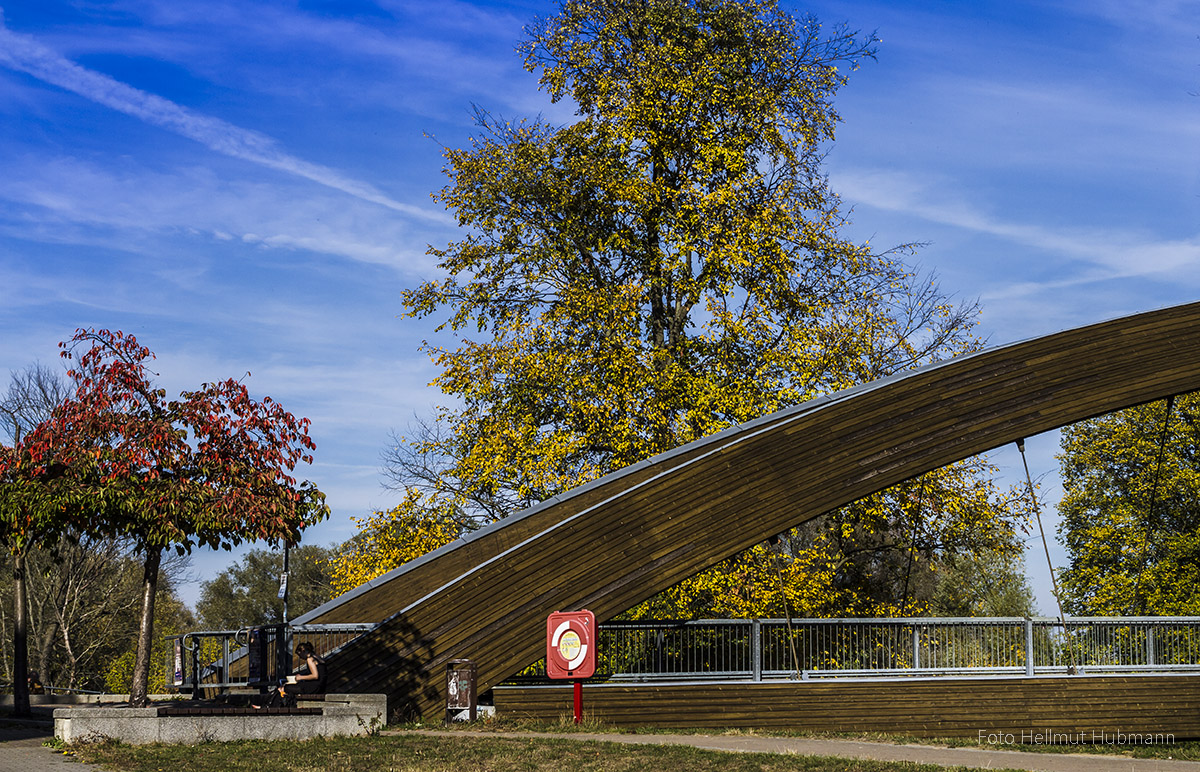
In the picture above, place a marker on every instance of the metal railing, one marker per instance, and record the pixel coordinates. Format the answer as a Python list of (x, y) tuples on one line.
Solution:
[(815, 648), (764, 649), (251, 657)]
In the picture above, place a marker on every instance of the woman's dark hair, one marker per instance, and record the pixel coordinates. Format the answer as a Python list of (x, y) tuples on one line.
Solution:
[(304, 648)]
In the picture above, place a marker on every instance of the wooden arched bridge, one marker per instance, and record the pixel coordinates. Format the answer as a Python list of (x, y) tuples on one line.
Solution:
[(613, 543)]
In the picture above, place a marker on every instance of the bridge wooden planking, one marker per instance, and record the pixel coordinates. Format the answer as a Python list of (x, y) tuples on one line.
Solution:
[(424, 576), (637, 532), (470, 553), (919, 707)]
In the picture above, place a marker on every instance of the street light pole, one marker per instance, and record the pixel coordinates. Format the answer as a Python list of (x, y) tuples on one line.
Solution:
[(283, 581)]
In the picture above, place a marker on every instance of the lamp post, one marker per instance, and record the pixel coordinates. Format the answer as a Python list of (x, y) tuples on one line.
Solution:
[(283, 582)]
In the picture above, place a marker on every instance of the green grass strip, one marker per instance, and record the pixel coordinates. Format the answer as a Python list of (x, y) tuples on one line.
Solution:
[(460, 754)]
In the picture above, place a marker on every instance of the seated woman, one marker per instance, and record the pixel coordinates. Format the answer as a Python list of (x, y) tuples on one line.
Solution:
[(311, 679)]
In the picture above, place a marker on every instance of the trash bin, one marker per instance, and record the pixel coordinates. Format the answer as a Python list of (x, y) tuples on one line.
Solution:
[(460, 690)]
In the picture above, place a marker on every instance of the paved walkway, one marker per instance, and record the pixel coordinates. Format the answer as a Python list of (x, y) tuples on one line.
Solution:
[(21, 749), (853, 749)]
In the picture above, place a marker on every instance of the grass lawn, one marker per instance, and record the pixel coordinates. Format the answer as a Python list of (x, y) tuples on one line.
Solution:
[(416, 753), (497, 752)]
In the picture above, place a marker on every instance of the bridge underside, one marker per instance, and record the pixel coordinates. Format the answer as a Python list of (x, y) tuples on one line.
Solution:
[(611, 544)]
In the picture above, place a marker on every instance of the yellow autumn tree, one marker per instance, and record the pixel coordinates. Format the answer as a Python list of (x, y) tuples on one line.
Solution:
[(388, 539), (668, 265), (1131, 510)]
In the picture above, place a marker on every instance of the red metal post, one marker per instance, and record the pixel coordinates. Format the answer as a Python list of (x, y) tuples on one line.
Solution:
[(578, 701)]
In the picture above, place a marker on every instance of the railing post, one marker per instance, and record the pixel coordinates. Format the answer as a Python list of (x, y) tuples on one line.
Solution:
[(1029, 647), (916, 635), (756, 648), (283, 661), (1150, 658)]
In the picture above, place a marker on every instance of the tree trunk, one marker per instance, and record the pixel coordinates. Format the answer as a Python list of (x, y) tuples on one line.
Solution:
[(72, 660), (45, 645), (20, 638), (5, 662), (139, 689)]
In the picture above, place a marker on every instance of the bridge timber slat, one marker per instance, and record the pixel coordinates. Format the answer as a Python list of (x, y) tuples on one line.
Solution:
[(613, 543), (920, 708)]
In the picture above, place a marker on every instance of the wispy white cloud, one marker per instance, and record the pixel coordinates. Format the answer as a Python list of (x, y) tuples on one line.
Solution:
[(1156, 15), (1068, 125), (26, 54), (430, 60), (124, 206), (1111, 252)]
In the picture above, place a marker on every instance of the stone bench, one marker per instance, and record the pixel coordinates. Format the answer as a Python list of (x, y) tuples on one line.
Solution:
[(335, 714)]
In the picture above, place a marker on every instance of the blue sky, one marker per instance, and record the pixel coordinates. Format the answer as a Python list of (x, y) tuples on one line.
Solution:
[(245, 185)]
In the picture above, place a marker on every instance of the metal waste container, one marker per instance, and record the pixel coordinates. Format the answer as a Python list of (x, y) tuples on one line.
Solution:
[(460, 690)]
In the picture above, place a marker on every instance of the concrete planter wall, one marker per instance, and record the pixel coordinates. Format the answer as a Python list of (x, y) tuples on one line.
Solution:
[(340, 714)]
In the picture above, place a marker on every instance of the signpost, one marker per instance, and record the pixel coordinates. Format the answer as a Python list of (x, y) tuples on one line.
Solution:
[(571, 650), (177, 680)]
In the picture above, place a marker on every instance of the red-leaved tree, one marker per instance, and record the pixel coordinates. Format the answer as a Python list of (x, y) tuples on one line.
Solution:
[(211, 468), (39, 501)]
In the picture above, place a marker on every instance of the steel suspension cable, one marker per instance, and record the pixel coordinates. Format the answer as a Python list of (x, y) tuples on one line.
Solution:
[(912, 542), (1037, 511), (1138, 607), (772, 543)]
